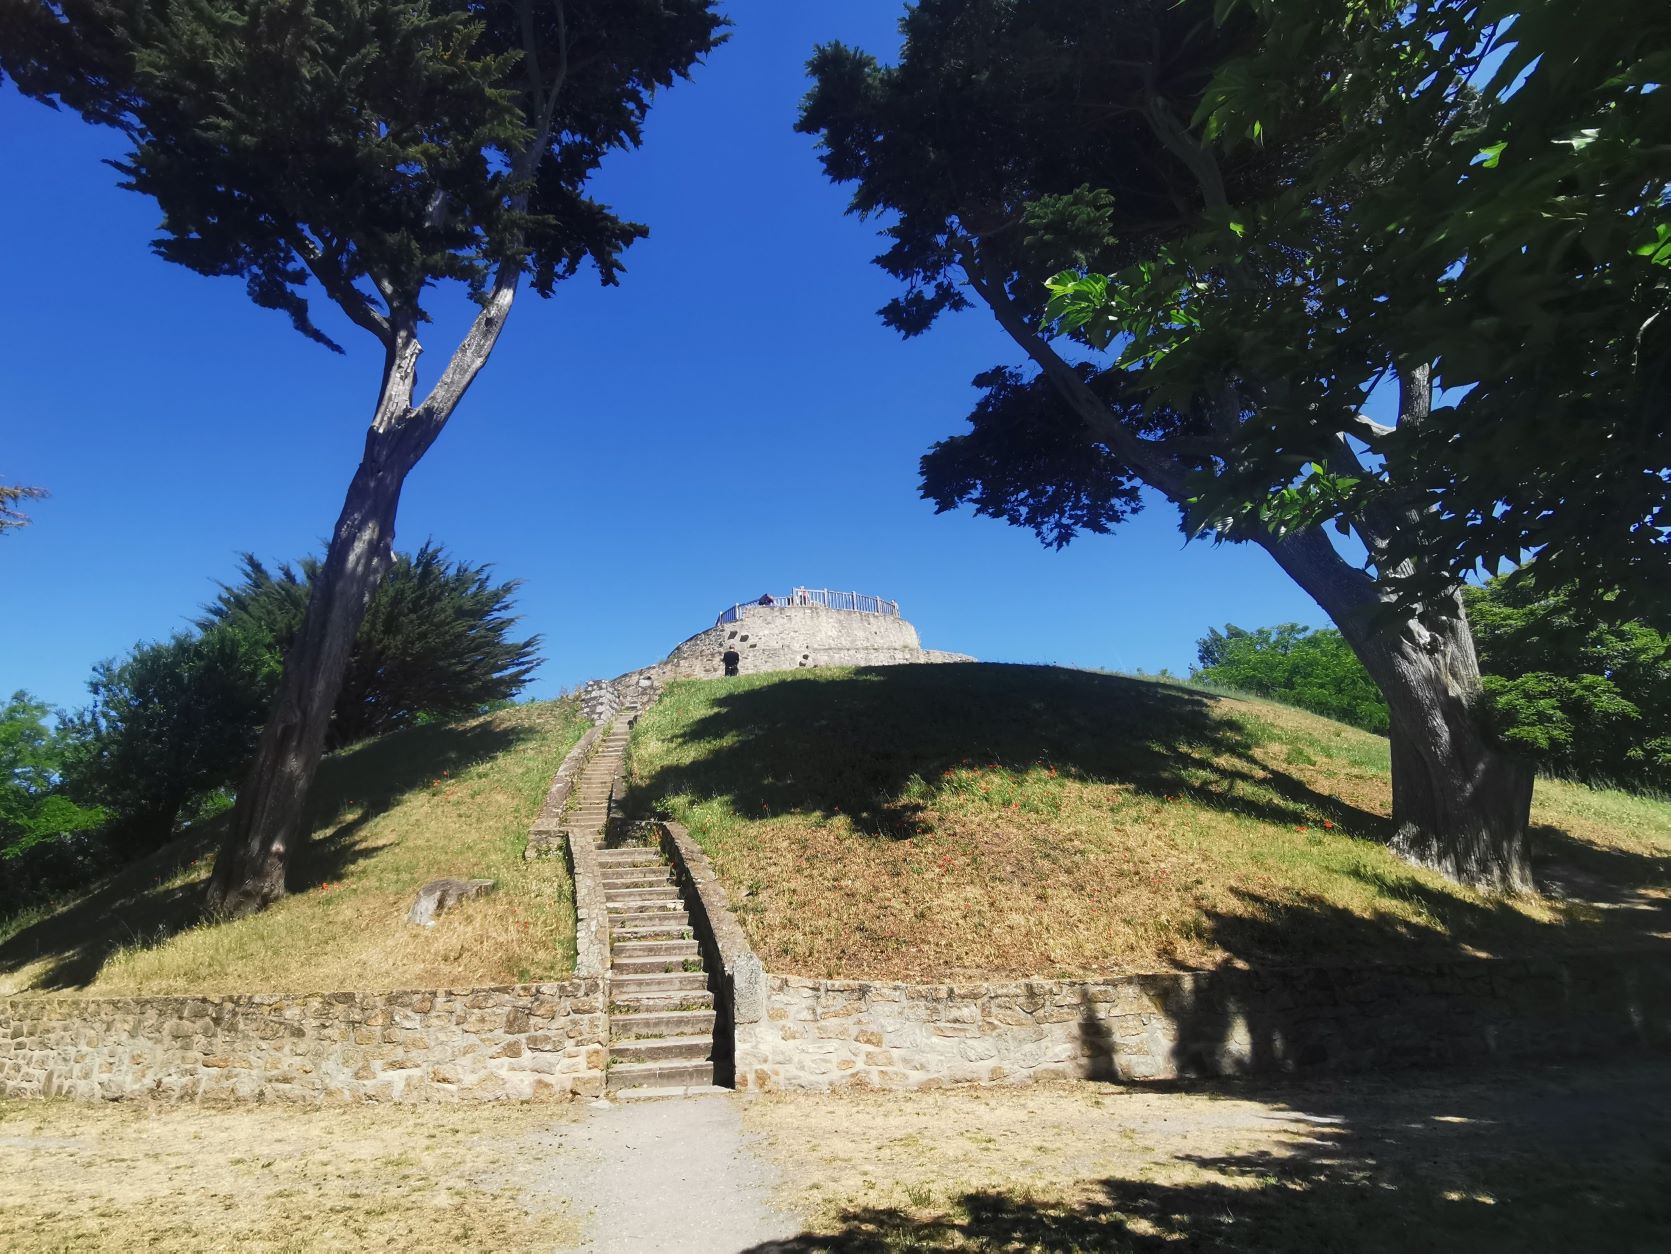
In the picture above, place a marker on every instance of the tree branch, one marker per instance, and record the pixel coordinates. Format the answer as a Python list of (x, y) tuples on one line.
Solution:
[(348, 298), (1181, 144), (1155, 467)]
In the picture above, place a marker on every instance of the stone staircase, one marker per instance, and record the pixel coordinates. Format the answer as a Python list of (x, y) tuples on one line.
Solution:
[(661, 1011)]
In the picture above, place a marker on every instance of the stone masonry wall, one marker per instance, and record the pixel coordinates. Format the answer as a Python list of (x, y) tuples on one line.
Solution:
[(515, 1041), (818, 1034), (793, 637)]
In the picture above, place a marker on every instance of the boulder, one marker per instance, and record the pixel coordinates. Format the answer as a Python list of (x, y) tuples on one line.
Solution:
[(439, 895)]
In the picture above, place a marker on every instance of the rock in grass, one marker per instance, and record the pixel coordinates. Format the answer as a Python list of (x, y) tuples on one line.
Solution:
[(439, 895)]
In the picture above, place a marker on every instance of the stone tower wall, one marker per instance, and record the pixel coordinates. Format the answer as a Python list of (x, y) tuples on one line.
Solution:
[(792, 637)]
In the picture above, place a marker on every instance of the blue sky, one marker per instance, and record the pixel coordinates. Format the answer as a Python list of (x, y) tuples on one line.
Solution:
[(732, 419)]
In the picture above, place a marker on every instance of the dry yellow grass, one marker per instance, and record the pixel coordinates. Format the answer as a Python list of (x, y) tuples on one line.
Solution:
[(951, 821), (1544, 1159), (137, 1176), (433, 802)]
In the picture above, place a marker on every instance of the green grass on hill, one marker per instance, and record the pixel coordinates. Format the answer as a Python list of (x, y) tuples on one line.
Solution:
[(937, 821), (445, 800)]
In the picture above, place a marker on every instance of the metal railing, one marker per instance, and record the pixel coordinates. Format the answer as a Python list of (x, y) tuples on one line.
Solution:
[(826, 598)]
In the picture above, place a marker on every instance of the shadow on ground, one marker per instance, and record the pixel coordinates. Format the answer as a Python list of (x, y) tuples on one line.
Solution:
[(858, 743), (1546, 1159), (790, 746), (141, 906)]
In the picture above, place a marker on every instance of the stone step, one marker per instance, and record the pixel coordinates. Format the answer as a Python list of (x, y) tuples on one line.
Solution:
[(675, 927), (657, 1093), (647, 966), (653, 949), (653, 1023), (623, 896), (660, 1003), (663, 1049), (626, 909), (631, 1075), (658, 982), (635, 877), (629, 859)]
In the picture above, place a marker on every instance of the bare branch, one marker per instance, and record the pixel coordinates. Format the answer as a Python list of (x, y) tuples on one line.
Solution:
[(1367, 429), (348, 298)]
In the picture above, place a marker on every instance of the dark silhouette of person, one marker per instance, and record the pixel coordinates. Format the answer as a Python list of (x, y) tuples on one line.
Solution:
[(731, 660)]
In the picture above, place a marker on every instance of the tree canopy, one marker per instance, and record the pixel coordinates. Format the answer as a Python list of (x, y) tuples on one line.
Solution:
[(372, 147), (1364, 186)]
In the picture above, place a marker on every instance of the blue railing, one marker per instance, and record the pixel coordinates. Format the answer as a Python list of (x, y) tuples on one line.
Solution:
[(827, 598)]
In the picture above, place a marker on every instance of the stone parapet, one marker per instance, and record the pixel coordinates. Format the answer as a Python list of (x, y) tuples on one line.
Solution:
[(819, 1034), (517, 1041), (546, 830)]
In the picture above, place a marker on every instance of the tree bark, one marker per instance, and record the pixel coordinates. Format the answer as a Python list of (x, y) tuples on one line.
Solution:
[(1461, 806), (270, 815)]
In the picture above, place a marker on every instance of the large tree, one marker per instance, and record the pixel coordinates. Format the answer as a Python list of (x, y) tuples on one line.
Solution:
[(1218, 285), (366, 150)]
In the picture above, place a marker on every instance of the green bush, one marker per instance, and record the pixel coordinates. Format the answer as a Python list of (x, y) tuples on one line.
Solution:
[(48, 843), (1587, 696), (1315, 670)]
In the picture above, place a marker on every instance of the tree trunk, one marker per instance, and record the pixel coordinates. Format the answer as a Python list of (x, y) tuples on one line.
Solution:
[(1461, 806), (271, 811)]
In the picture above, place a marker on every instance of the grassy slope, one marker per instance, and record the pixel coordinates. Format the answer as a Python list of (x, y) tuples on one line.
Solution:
[(391, 814), (931, 822)]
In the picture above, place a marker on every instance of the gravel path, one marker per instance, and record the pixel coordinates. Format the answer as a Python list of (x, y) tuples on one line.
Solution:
[(679, 1174)]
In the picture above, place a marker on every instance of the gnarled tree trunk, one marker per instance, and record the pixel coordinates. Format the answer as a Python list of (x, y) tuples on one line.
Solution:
[(1460, 804)]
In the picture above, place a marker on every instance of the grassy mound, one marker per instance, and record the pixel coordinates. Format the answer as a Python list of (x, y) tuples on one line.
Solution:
[(389, 815), (937, 821)]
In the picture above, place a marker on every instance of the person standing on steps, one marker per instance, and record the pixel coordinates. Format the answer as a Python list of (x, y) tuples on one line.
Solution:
[(732, 660)]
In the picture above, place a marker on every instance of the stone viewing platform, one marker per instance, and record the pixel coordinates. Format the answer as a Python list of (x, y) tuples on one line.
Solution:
[(805, 628)]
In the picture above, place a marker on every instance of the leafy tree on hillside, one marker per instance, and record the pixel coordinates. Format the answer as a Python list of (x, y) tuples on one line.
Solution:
[(1315, 670), (44, 835), (1586, 696), (171, 722), (436, 640), (367, 150), (1211, 254)]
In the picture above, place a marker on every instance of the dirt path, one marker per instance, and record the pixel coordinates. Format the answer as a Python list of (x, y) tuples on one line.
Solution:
[(669, 1175)]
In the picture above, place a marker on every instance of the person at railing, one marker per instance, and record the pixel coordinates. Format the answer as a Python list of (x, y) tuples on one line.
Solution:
[(767, 599)]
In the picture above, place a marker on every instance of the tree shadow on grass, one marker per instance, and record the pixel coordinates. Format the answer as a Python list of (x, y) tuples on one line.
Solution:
[(141, 907), (855, 743), (1537, 1159)]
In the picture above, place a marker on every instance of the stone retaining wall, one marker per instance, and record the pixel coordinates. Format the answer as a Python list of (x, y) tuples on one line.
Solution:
[(514, 1041), (819, 1034)]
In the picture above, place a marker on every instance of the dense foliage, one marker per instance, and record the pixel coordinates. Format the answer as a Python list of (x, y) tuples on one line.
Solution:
[(1315, 670), (171, 727), (46, 839), (168, 725), (1585, 694), (436, 640), (1581, 693)]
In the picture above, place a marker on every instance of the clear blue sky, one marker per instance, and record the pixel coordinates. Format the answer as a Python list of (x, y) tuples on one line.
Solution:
[(732, 419)]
